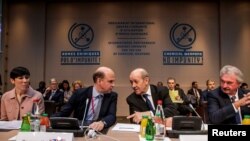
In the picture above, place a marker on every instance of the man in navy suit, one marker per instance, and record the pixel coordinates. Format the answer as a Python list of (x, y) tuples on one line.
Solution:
[(52, 93), (139, 79), (102, 104), (223, 110), (210, 86)]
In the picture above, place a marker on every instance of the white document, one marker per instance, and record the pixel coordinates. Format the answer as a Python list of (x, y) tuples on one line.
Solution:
[(15, 124), (43, 136), (193, 137), (126, 127)]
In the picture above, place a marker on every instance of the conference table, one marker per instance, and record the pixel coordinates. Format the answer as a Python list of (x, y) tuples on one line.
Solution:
[(110, 136)]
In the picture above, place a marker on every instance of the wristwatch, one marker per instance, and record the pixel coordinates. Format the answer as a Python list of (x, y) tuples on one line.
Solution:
[(104, 122)]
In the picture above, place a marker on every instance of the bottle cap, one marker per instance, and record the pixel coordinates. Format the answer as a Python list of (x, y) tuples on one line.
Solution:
[(45, 114), (246, 116), (159, 102), (36, 100)]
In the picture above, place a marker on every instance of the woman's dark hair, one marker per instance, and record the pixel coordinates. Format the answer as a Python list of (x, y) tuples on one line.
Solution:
[(19, 71), (243, 85), (67, 82), (42, 84)]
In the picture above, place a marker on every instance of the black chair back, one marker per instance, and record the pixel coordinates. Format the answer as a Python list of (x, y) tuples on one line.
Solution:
[(50, 107)]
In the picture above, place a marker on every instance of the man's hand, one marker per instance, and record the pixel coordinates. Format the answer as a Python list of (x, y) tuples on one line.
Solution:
[(243, 101), (178, 98), (98, 126), (137, 116), (168, 121)]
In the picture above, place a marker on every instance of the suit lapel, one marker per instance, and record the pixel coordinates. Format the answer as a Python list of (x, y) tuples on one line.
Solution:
[(154, 94), (226, 99)]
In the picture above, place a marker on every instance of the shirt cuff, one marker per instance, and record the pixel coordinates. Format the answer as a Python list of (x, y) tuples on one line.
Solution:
[(105, 123)]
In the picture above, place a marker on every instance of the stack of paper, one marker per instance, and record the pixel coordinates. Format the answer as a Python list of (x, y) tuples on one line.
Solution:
[(15, 124)]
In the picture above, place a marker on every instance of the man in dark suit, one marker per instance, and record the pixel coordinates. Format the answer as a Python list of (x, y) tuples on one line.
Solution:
[(210, 86), (228, 103), (52, 93), (194, 94), (139, 79), (102, 104)]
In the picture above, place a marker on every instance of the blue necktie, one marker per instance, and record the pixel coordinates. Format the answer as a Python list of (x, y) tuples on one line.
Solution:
[(148, 102), (237, 116), (98, 106), (52, 94)]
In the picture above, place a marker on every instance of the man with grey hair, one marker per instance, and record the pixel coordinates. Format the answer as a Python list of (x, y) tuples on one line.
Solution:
[(143, 100), (228, 103)]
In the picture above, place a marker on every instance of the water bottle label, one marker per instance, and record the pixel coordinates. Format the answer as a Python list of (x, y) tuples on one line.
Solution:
[(42, 128), (36, 125), (159, 131)]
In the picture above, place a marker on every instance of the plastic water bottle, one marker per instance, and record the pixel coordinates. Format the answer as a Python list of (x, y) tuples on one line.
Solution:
[(44, 122), (36, 125), (36, 115), (159, 121)]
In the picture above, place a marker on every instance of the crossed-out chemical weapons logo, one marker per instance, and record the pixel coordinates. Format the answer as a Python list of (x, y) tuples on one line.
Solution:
[(182, 36), (80, 37)]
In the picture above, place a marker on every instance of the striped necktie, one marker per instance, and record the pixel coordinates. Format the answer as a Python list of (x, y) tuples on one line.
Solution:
[(148, 102), (237, 116)]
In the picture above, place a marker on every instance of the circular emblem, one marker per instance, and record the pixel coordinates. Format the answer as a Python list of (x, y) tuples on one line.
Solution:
[(182, 36), (80, 35)]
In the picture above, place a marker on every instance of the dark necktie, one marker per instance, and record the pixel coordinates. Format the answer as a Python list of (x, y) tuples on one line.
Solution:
[(148, 102), (237, 116)]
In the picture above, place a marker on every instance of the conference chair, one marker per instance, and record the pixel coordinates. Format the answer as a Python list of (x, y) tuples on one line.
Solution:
[(202, 111), (50, 107)]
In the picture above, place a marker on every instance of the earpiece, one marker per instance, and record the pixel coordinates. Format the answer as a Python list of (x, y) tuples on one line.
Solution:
[(92, 133)]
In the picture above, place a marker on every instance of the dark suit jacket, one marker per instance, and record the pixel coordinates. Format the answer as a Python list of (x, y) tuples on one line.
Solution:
[(136, 103), (58, 97), (192, 98), (77, 103), (220, 108), (204, 95)]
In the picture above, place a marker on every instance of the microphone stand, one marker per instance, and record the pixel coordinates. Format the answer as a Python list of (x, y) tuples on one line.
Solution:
[(202, 122), (84, 114)]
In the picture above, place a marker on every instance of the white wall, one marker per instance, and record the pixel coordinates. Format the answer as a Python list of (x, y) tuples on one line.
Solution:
[(38, 34)]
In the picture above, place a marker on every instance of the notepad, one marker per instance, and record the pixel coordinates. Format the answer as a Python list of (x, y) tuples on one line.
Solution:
[(15, 124), (173, 95), (193, 138), (126, 127)]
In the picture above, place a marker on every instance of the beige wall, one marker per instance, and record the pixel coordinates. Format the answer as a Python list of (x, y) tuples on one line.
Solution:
[(235, 35), (38, 33)]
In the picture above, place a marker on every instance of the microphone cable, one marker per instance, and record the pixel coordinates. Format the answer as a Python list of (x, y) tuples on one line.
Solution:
[(90, 134)]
